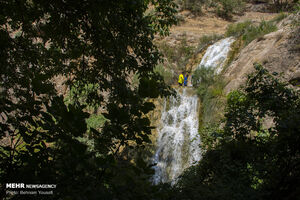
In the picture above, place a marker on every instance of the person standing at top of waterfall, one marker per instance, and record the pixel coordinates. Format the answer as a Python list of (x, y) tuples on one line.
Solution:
[(180, 79), (185, 79)]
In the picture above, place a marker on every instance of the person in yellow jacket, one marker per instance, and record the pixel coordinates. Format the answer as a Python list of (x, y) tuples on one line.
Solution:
[(180, 79)]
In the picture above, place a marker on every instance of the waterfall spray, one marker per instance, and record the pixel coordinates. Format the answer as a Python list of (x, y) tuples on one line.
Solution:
[(216, 55), (178, 139)]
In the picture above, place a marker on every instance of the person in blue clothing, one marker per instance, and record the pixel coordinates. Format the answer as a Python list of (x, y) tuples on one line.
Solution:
[(185, 80)]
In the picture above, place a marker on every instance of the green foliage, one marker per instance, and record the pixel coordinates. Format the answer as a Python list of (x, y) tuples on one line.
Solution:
[(259, 31), (249, 161), (95, 121), (165, 73), (226, 8), (249, 31), (203, 76), (210, 136), (283, 5), (296, 21), (234, 51), (195, 6), (279, 17), (96, 47), (238, 29), (210, 91), (297, 7), (135, 80), (213, 103), (178, 55), (80, 94), (223, 8)]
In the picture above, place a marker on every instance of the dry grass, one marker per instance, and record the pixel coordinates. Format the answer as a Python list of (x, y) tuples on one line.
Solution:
[(193, 28)]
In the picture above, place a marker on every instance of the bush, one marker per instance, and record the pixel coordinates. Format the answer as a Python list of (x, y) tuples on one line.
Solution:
[(279, 17), (210, 135), (226, 8), (296, 21), (203, 76), (238, 29), (258, 31), (284, 5), (95, 121), (165, 73), (79, 94), (248, 31), (212, 103), (177, 55), (195, 6), (223, 8)]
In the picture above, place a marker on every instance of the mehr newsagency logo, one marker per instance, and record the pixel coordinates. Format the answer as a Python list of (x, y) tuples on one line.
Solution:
[(29, 189)]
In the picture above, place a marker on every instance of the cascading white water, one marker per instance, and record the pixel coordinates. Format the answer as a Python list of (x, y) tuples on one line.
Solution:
[(178, 139), (216, 54), (178, 143)]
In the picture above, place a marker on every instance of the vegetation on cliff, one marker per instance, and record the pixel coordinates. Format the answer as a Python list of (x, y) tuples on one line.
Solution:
[(248, 160), (227, 8)]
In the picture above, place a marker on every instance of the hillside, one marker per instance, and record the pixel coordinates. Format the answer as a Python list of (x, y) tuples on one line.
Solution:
[(194, 27), (278, 51), (269, 38), (184, 48)]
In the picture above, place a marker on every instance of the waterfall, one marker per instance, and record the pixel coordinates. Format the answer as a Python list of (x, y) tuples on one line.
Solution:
[(178, 139), (216, 54)]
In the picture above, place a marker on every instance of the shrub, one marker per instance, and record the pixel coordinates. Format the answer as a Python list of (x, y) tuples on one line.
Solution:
[(284, 5), (225, 8), (238, 29), (296, 20), (210, 134), (165, 73), (249, 31), (258, 31), (195, 6), (203, 76), (177, 55), (212, 101), (80, 93), (279, 17), (95, 121)]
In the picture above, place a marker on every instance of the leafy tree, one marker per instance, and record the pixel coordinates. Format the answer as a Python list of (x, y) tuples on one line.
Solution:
[(251, 161), (195, 6), (93, 43), (226, 8), (283, 5)]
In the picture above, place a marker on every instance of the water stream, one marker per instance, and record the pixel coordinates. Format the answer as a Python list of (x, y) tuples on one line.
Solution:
[(178, 142), (216, 54), (178, 139)]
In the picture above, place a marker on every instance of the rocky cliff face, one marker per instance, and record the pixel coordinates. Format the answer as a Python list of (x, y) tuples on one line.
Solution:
[(278, 51)]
